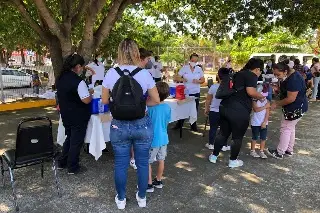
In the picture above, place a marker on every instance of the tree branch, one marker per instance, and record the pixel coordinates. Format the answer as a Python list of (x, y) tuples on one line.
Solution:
[(45, 13), (114, 14), (79, 11), (33, 24)]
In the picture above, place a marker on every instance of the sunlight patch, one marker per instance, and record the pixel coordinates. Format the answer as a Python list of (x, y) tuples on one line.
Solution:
[(280, 168), (303, 152), (199, 155), (207, 189), (4, 208), (184, 165), (251, 177), (257, 208), (230, 178)]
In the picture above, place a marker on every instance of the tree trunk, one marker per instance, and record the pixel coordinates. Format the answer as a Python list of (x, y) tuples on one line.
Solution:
[(56, 56), (23, 59)]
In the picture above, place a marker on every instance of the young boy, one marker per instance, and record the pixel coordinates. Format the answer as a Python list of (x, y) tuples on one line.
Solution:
[(160, 116), (259, 126)]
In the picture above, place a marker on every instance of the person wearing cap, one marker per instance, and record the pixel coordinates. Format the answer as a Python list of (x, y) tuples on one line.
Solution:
[(235, 111), (192, 76)]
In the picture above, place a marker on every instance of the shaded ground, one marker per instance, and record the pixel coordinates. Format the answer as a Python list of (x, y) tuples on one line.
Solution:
[(192, 184)]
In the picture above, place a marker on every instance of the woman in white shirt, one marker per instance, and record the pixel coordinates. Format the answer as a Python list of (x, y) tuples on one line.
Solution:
[(97, 69), (127, 133), (192, 76)]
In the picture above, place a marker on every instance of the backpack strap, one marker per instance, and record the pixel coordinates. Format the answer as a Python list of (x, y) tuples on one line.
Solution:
[(135, 71), (119, 71)]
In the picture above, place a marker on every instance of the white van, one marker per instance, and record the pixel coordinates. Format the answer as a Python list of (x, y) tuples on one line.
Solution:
[(301, 56)]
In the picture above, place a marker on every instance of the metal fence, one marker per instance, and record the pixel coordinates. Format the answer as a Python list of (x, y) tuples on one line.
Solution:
[(24, 82)]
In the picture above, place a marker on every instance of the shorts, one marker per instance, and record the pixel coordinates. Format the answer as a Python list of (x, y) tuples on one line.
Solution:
[(157, 153), (257, 131)]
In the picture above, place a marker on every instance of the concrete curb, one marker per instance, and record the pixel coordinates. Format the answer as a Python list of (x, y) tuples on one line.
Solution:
[(26, 105)]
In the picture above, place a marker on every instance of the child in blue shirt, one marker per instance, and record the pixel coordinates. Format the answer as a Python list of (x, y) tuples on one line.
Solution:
[(160, 116)]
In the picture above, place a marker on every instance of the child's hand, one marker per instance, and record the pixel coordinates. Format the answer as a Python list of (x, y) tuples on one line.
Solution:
[(268, 105), (264, 125)]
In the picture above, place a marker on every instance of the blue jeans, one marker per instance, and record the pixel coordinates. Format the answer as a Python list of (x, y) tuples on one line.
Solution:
[(316, 81), (214, 118), (259, 133), (124, 135)]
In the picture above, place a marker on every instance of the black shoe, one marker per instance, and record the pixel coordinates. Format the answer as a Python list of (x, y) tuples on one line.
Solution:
[(150, 188), (274, 153), (157, 184), (289, 154), (77, 171)]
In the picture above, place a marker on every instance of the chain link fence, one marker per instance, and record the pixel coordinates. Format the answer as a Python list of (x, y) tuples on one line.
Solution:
[(24, 82)]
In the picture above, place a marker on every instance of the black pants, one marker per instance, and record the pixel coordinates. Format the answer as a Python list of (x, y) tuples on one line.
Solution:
[(72, 146), (194, 125), (233, 119)]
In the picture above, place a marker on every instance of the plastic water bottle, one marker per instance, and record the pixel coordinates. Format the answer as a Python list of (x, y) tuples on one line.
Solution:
[(186, 92), (101, 106)]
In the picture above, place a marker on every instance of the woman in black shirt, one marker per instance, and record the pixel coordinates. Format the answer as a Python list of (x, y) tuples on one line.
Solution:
[(235, 111)]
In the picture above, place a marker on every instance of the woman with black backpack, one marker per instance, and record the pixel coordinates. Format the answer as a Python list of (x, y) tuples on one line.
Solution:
[(235, 109), (123, 89)]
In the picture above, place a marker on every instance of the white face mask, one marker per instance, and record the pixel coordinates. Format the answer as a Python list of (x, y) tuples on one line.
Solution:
[(193, 64)]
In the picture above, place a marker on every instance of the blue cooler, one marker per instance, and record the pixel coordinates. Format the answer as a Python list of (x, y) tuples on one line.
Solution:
[(98, 107), (173, 92)]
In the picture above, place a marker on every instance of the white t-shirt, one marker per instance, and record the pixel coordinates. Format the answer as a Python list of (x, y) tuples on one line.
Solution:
[(157, 70), (83, 90), (258, 117), (215, 103), (99, 71), (143, 78), (187, 74)]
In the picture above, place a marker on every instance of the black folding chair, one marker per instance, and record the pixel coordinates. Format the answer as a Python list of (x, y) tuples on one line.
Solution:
[(34, 145)]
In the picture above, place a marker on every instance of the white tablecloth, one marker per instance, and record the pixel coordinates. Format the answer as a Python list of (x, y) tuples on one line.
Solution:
[(97, 134), (185, 110)]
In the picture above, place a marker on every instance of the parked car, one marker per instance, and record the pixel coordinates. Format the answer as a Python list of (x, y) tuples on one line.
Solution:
[(15, 78)]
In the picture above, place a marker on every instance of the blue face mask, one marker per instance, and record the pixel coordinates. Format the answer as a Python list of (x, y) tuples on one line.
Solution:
[(99, 59), (149, 65)]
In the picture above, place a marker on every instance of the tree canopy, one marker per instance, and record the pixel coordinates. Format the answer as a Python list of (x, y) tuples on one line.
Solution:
[(85, 26)]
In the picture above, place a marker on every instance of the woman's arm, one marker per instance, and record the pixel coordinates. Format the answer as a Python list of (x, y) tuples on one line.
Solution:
[(259, 109), (252, 92), (266, 117), (291, 97), (105, 95), (153, 97), (207, 104)]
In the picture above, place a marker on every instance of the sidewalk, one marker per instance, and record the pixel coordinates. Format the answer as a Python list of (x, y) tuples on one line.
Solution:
[(192, 184)]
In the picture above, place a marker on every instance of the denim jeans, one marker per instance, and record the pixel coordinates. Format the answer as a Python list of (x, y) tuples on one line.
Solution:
[(124, 135), (214, 118), (316, 81)]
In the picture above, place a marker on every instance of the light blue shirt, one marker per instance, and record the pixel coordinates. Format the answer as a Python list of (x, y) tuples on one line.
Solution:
[(160, 116)]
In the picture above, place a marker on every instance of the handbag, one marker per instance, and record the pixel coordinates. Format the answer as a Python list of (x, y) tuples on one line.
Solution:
[(292, 115)]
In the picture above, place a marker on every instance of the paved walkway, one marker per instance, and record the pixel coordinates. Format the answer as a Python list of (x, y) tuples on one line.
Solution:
[(192, 184)]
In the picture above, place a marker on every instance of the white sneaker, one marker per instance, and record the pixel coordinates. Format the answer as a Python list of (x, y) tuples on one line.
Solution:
[(133, 164), (142, 203), (254, 154), (263, 155), (226, 148), (213, 158), (235, 163), (121, 204), (210, 146)]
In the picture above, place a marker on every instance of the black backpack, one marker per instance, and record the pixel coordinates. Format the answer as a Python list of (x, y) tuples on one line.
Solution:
[(226, 88), (127, 101)]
